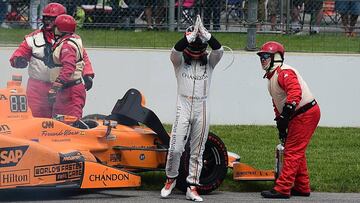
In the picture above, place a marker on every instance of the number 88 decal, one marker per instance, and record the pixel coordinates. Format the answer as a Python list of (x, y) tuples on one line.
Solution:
[(18, 103)]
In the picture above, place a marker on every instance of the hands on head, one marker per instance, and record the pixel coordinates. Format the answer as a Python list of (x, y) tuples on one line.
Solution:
[(198, 31)]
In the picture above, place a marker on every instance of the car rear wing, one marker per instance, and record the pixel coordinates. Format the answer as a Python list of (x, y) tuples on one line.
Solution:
[(130, 110)]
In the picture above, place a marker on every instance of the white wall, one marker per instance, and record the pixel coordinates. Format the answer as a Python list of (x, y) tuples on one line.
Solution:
[(238, 95)]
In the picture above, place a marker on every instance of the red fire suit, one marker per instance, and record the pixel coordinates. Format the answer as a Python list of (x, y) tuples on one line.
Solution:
[(286, 85), (68, 53), (39, 82)]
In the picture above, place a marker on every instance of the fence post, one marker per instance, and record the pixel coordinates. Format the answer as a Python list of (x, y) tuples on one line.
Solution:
[(171, 15), (251, 29), (288, 16)]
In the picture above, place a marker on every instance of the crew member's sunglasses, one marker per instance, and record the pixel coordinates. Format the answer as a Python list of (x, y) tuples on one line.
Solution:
[(265, 56)]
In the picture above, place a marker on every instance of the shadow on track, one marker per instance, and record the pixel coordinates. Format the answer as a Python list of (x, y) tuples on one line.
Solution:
[(46, 194)]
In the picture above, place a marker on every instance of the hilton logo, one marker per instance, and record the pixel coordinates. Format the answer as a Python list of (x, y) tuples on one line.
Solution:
[(15, 177)]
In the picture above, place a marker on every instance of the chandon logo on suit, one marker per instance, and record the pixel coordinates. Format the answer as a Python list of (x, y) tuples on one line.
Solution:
[(195, 77)]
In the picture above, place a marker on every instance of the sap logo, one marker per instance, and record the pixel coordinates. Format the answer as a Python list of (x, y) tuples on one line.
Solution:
[(47, 124), (10, 156), (2, 97)]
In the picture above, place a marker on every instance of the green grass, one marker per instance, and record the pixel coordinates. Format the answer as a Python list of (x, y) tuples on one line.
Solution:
[(333, 158), (330, 43)]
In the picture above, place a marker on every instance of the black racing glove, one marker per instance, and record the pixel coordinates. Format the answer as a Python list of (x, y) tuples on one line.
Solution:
[(53, 92), (282, 122), (88, 80), (181, 44), (20, 62), (282, 130)]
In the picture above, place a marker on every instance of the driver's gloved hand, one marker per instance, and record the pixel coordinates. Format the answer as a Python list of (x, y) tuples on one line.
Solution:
[(20, 62), (282, 121), (88, 80), (53, 92)]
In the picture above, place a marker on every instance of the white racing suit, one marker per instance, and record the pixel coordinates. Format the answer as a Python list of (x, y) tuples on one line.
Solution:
[(192, 113)]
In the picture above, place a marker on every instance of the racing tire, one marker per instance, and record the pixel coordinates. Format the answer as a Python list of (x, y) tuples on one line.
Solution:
[(213, 173)]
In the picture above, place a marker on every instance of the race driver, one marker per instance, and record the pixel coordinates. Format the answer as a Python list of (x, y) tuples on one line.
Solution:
[(36, 50), (193, 70), (297, 116), (67, 94)]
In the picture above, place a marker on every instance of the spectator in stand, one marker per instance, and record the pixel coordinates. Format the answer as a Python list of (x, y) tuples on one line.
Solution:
[(296, 6), (315, 8), (273, 7), (132, 12), (212, 9), (35, 16), (157, 7), (69, 5), (349, 11), (3, 11), (260, 12)]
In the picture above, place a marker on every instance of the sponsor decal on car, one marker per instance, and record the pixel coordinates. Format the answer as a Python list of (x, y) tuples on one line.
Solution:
[(4, 129), (60, 133), (61, 171), (16, 116), (18, 177), (2, 97), (71, 157), (10, 156), (115, 157), (18, 103), (107, 177), (47, 124), (61, 140)]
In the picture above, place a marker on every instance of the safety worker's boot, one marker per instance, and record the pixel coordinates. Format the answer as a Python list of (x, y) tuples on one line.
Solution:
[(274, 194), (192, 194), (295, 192), (168, 187)]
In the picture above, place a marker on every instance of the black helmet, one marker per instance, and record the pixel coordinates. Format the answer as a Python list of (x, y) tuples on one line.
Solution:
[(197, 48)]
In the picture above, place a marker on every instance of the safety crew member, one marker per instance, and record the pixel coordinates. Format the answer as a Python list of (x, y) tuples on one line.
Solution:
[(67, 93), (36, 50), (297, 115), (193, 70)]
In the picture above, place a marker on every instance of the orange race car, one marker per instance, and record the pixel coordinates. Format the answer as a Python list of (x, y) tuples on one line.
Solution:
[(96, 151)]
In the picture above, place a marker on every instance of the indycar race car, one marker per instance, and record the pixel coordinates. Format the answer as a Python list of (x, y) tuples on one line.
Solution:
[(96, 151)]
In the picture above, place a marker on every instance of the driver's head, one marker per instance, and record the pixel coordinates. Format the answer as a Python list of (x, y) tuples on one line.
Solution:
[(197, 49), (271, 54), (64, 24), (50, 12)]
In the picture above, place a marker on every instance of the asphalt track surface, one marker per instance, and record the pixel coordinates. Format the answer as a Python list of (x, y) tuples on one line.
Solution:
[(132, 196)]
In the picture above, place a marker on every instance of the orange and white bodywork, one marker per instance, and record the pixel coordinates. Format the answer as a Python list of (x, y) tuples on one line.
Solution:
[(91, 152), (49, 152), (245, 172)]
